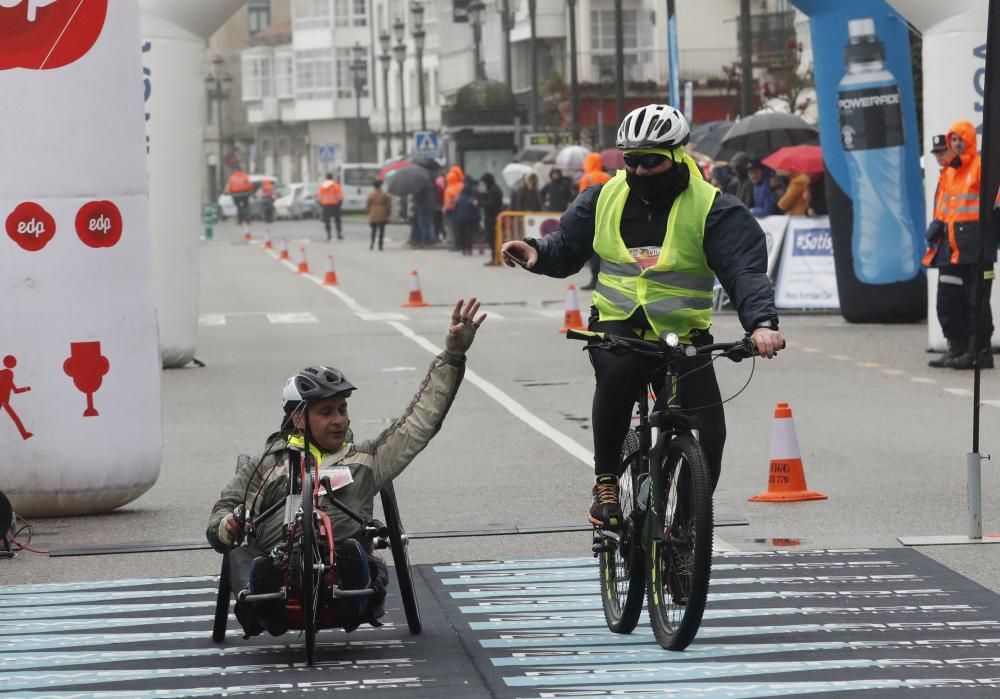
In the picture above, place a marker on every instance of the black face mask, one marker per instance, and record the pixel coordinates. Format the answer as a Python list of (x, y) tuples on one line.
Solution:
[(956, 162), (661, 188)]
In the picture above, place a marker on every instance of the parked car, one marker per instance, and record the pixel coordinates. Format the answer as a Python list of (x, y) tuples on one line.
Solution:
[(304, 204), (283, 200), (227, 207), (356, 180)]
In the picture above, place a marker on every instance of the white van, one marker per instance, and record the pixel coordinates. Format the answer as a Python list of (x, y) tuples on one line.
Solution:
[(356, 180)]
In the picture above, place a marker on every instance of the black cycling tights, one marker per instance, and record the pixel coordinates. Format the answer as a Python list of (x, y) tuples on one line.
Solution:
[(620, 377)]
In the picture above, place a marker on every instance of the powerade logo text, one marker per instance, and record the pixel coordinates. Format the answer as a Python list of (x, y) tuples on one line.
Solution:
[(868, 101), (813, 241)]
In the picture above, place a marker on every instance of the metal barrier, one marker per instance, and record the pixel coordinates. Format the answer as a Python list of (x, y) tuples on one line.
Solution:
[(511, 226)]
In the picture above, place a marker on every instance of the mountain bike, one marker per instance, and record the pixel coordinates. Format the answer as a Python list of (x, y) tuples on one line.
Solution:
[(664, 545)]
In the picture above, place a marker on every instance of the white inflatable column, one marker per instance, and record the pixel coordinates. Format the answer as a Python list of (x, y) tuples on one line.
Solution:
[(174, 34)]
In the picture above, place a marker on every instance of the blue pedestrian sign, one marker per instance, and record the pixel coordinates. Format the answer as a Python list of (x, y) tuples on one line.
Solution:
[(327, 153), (426, 142)]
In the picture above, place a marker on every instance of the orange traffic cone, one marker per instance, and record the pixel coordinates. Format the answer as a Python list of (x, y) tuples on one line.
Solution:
[(303, 265), (283, 255), (572, 319), (246, 232), (331, 273), (416, 299), (786, 482), (267, 240)]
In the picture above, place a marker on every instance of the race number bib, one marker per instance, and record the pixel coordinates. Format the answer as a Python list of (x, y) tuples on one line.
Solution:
[(645, 256)]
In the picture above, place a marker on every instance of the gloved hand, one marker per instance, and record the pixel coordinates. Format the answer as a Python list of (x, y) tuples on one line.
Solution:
[(935, 231), (463, 327)]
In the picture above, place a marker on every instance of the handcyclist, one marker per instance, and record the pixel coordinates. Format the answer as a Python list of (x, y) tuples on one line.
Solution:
[(315, 409), (663, 234)]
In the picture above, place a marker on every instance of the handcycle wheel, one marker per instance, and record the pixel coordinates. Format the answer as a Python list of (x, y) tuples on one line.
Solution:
[(622, 565), (222, 603), (307, 557), (398, 543), (679, 555)]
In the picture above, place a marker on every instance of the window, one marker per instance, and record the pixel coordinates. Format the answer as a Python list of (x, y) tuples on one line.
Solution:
[(257, 78), (284, 74), (602, 44), (350, 13), (310, 14), (258, 15), (345, 76), (314, 74)]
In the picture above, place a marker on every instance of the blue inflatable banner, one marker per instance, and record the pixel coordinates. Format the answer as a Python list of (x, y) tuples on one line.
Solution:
[(871, 152)]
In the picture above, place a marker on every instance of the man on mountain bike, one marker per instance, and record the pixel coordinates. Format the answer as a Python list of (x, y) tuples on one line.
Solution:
[(663, 234), (315, 410)]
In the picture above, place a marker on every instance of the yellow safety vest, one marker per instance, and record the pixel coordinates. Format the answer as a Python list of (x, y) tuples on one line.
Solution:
[(675, 293)]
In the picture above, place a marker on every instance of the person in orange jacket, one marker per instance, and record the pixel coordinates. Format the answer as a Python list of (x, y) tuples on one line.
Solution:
[(455, 180), (330, 197), (267, 200), (593, 172), (240, 188), (959, 242)]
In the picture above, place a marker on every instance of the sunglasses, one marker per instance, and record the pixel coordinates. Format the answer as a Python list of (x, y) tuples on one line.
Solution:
[(647, 160)]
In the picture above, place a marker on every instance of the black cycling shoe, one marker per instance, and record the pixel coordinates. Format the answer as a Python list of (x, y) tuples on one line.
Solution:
[(266, 577), (353, 573), (606, 510)]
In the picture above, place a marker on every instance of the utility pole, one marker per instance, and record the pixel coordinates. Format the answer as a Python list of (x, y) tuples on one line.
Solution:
[(574, 86), (532, 6), (746, 56), (620, 61), (675, 97)]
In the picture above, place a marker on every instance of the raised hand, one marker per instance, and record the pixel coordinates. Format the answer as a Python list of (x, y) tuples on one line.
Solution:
[(464, 325)]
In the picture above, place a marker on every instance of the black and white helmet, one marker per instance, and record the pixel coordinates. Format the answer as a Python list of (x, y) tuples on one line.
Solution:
[(653, 126), (314, 383)]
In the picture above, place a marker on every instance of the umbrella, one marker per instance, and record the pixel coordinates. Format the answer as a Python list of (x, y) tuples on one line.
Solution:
[(765, 132), (408, 180), (707, 138), (513, 173), (426, 162), (808, 159), (384, 172), (612, 159), (571, 158)]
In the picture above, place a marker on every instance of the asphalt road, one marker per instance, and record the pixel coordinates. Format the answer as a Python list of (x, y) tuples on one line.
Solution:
[(881, 434)]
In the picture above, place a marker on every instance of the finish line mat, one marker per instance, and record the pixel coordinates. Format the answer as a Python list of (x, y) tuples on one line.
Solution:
[(786, 623)]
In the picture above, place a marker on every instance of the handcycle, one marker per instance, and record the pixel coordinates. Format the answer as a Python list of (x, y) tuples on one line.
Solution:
[(310, 590), (664, 544)]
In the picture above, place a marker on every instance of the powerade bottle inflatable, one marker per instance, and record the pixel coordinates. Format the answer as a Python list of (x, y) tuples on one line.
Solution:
[(871, 131)]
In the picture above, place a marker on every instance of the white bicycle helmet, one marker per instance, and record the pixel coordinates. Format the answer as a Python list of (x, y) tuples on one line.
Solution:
[(653, 126)]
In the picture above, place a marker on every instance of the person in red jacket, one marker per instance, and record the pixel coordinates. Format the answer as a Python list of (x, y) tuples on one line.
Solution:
[(330, 198), (240, 188)]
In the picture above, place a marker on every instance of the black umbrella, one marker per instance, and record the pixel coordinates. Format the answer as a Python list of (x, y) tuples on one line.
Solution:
[(407, 180), (426, 162), (707, 138), (762, 133)]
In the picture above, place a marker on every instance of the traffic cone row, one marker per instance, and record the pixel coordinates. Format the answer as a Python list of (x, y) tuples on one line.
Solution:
[(303, 264), (331, 273), (786, 481), (416, 298), (572, 319)]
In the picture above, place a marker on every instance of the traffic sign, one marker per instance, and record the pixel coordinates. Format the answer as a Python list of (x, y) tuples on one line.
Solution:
[(327, 153), (426, 142)]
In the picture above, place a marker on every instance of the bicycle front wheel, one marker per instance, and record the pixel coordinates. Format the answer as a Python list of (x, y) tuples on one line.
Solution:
[(679, 555), (310, 582), (621, 564)]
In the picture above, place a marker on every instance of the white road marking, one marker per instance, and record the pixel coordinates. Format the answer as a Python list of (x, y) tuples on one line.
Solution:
[(840, 357), (922, 379), (548, 312), (400, 368), (291, 318), (958, 391), (869, 365), (893, 372), (992, 403), (382, 316), (212, 319)]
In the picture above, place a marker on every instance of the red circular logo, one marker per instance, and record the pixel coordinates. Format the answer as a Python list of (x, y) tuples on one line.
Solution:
[(99, 224), (31, 226)]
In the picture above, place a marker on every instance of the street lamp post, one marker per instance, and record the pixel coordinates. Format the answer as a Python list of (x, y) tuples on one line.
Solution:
[(399, 51), (476, 8), (507, 22), (574, 86), (385, 58), (532, 7), (216, 84), (417, 14), (359, 70)]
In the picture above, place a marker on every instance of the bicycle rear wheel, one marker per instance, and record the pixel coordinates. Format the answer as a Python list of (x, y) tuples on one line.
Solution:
[(308, 560), (679, 556), (399, 544), (622, 564)]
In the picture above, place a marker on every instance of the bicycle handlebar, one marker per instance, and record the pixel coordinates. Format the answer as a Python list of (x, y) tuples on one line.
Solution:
[(734, 351)]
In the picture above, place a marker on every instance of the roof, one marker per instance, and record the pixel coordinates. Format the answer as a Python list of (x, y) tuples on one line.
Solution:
[(276, 30)]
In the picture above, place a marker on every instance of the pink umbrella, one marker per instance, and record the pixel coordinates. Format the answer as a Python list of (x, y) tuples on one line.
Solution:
[(390, 167), (807, 159), (611, 159)]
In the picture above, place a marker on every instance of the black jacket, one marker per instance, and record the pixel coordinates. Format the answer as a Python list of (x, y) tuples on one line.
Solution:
[(734, 247), (557, 195)]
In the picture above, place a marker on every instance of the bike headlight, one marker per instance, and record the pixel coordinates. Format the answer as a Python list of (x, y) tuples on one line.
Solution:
[(671, 339)]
